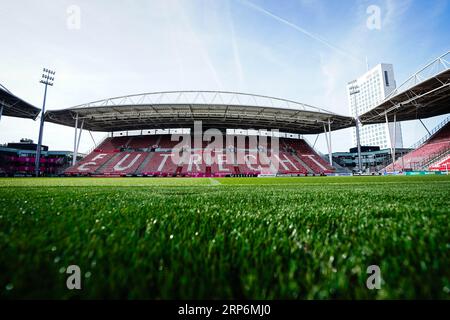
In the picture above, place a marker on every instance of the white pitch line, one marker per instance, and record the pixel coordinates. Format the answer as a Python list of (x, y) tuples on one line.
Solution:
[(214, 182)]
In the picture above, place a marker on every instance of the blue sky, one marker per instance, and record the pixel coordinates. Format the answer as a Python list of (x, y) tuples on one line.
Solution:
[(302, 50)]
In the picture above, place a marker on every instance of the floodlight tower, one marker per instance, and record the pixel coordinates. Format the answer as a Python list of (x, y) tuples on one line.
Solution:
[(354, 90), (47, 79)]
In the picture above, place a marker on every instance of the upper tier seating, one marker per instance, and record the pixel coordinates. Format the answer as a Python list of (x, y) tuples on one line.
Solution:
[(113, 144), (143, 142), (167, 143)]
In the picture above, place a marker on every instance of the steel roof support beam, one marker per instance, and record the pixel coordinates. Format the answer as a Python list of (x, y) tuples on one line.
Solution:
[(425, 127), (74, 156), (326, 137), (330, 151), (79, 139), (328, 140), (391, 138), (315, 141), (395, 139), (233, 96), (101, 119), (16, 108), (93, 140), (416, 76)]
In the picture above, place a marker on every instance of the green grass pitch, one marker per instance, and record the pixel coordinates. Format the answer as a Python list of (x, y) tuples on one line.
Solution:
[(257, 238)]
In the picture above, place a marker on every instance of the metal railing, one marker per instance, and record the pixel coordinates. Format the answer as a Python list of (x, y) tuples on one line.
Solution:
[(434, 158), (106, 136), (431, 70), (204, 97)]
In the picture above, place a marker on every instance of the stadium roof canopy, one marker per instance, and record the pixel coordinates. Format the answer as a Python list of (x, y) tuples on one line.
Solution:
[(425, 94), (179, 109), (16, 107)]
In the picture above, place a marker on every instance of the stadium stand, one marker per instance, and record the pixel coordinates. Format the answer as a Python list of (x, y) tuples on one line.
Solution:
[(195, 165), (442, 164), (113, 144), (161, 164), (166, 143), (428, 153), (125, 164), (156, 156), (307, 155), (143, 142), (287, 164), (222, 166), (91, 163)]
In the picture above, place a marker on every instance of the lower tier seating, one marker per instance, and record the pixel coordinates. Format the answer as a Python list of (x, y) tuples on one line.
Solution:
[(438, 144), (441, 165), (140, 156)]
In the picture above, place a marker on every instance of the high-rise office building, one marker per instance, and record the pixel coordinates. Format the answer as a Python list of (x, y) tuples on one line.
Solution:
[(364, 94)]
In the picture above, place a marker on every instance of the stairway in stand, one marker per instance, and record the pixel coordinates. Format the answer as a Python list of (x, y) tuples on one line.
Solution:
[(310, 171), (106, 164), (144, 163)]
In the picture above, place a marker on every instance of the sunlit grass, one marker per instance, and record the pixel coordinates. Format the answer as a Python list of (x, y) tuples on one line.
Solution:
[(297, 238)]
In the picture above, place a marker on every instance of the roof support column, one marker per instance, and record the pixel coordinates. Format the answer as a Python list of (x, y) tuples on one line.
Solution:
[(326, 137), (328, 140), (330, 150), (358, 145), (1, 110), (315, 141), (93, 140), (391, 142), (79, 139), (395, 138), (425, 127), (74, 156)]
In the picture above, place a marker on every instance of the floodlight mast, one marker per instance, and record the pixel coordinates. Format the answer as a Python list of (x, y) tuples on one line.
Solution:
[(47, 79), (354, 90)]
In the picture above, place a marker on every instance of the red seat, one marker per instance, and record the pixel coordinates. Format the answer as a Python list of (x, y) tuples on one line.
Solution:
[(126, 163)]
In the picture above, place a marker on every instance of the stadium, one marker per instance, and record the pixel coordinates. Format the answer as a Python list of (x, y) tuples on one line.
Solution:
[(141, 127), (218, 195), (234, 133)]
